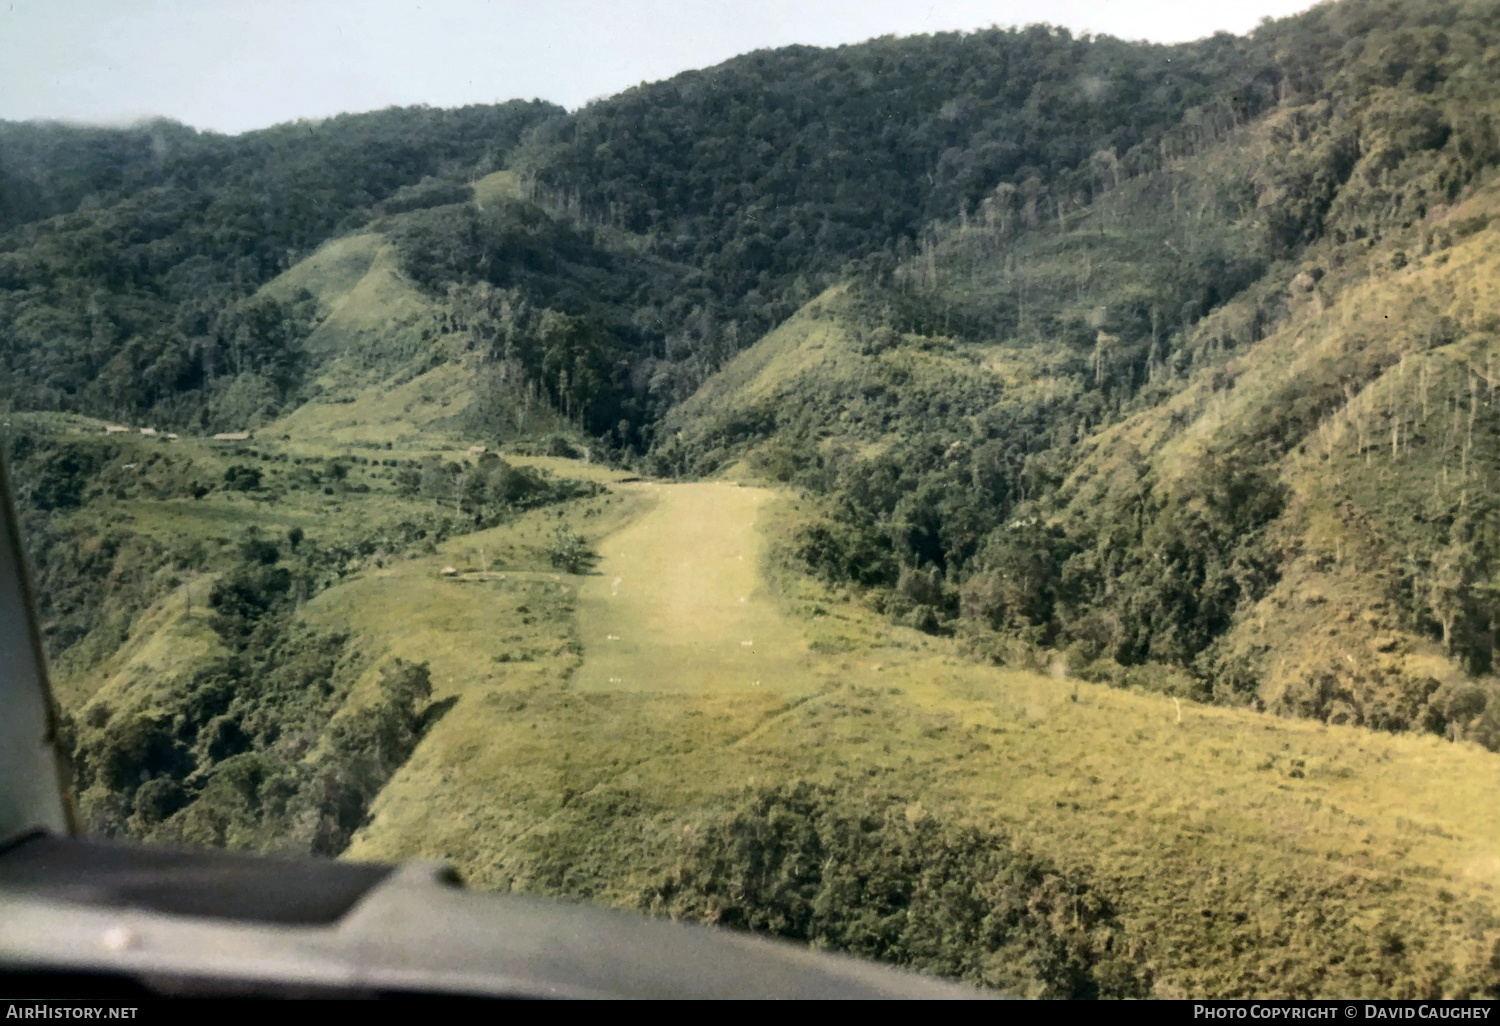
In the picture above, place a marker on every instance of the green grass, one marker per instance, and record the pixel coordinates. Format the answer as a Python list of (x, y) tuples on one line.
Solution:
[(1398, 350), (168, 641), (593, 721), (364, 508), (391, 372), (497, 186), (373, 347), (409, 416), (1251, 854), (678, 601), (373, 316)]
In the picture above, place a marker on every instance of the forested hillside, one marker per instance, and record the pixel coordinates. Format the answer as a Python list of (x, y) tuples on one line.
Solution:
[(1115, 423), (136, 299), (696, 243), (1071, 382), (771, 171)]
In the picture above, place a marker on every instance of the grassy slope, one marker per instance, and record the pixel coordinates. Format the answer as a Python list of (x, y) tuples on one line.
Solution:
[(1398, 350), (1388, 467), (806, 343), (172, 637), (390, 385), (497, 186), (1260, 855), (377, 330), (390, 374), (1359, 397), (1255, 855), (817, 379), (166, 643)]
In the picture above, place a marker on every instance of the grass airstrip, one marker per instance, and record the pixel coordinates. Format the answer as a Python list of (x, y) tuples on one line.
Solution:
[(595, 717), (593, 722)]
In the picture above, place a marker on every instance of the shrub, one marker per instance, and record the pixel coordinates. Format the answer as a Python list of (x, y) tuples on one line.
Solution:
[(880, 879), (560, 446), (242, 479), (570, 552)]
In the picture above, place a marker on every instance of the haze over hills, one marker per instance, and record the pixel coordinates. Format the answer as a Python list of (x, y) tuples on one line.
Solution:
[(1119, 424)]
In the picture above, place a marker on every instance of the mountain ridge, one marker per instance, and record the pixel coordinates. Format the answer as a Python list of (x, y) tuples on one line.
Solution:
[(1183, 386)]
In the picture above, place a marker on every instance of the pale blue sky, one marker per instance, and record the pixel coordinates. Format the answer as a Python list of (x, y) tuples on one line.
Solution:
[(232, 65)]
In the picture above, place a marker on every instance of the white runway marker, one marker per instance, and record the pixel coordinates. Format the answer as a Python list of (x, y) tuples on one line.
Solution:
[(746, 644), (614, 587)]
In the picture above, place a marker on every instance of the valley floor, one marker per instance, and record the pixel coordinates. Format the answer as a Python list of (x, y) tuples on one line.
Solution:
[(595, 717)]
